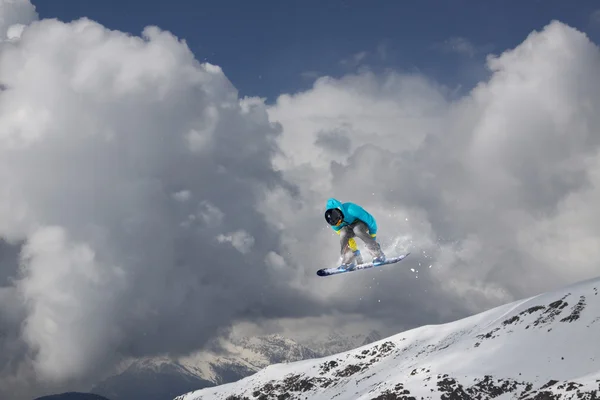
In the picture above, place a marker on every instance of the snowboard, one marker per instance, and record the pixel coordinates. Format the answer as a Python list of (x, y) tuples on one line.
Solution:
[(360, 267)]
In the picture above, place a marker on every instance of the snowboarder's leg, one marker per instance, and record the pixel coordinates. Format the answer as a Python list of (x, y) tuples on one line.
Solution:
[(354, 247), (361, 230), (348, 245)]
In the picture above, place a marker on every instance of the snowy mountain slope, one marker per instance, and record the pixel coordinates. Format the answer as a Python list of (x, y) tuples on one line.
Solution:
[(543, 347)]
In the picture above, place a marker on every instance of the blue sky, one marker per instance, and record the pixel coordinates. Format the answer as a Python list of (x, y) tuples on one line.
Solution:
[(269, 47)]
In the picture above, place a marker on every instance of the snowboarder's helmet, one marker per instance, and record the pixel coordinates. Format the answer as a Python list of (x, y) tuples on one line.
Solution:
[(334, 216)]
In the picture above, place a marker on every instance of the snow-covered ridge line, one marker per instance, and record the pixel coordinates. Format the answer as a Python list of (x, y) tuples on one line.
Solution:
[(541, 347)]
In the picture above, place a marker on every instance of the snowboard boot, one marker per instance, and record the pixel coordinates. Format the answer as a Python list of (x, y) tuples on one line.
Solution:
[(349, 266), (380, 259), (358, 257)]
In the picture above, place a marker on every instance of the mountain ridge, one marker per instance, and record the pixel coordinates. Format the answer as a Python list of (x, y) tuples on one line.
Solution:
[(541, 347)]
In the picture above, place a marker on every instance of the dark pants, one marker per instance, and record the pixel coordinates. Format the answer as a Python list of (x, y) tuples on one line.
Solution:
[(360, 230)]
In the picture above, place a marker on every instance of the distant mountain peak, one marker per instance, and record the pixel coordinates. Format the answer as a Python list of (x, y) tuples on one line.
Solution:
[(373, 336), (224, 361)]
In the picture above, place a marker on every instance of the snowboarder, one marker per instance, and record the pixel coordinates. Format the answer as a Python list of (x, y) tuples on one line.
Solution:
[(350, 220)]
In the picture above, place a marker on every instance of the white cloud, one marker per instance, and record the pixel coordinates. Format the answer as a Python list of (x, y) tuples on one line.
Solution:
[(460, 45), (94, 156), (275, 260), (241, 240), (13, 15), (14, 32), (57, 275), (210, 214), (182, 195)]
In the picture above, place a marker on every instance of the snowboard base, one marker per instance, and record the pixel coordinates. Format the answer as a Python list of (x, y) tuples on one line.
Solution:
[(360, 267)]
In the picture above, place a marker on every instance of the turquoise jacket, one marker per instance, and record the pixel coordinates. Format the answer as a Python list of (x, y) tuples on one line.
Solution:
[(352, 212)]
